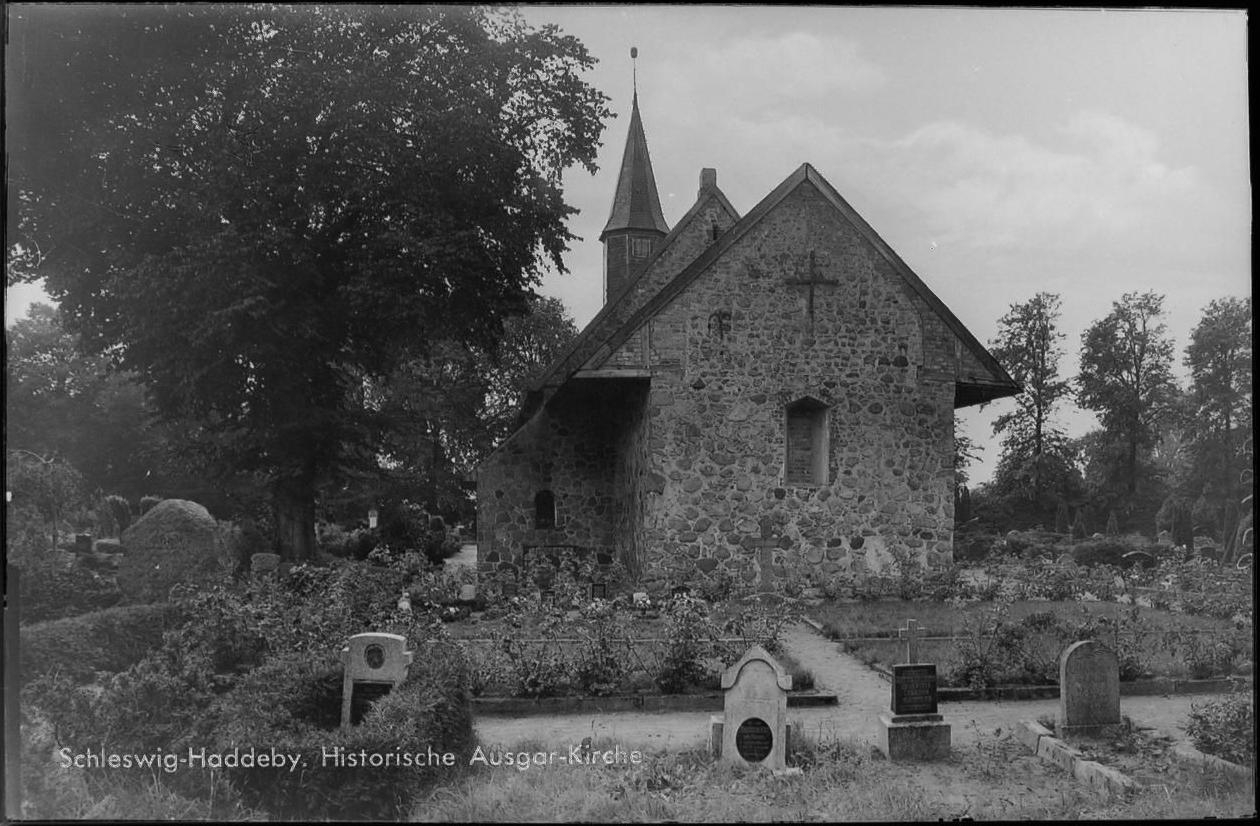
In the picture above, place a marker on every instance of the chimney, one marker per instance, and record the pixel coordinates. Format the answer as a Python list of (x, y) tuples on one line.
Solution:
[(708, 179)]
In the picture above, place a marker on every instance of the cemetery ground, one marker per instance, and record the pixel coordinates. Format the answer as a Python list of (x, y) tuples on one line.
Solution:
[(255, 662)]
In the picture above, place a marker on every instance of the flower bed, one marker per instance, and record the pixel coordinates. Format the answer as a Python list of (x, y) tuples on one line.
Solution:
[(988, 644), (601, 649)]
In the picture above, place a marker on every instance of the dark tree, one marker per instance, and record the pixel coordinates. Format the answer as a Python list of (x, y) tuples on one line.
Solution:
[(1220, 396), (1126, 376), (448, 410), (261, 210), (60, 402), (1027, 344)]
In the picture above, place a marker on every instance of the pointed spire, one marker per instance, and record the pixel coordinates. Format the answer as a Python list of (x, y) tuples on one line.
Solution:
[(636, 204)]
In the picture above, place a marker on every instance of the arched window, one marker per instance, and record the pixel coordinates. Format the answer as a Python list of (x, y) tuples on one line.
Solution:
[(805, 462), (544, 509)]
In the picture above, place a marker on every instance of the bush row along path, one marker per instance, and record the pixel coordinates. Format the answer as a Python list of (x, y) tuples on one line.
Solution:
[(861, 695)]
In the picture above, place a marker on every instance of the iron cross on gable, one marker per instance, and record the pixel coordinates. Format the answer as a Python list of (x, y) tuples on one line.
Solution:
[(911, 634), (814, 280)]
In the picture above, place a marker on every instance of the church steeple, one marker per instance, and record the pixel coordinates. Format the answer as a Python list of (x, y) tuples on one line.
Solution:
[(636, 224)]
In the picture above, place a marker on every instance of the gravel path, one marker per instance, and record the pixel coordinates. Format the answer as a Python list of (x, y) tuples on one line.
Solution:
[(861, 695)]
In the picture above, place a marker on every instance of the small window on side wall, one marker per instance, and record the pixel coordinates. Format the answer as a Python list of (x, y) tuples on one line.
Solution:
[(544, 509), (806, 459)]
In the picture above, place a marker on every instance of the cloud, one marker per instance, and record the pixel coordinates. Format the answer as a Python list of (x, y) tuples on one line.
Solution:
[(784, 70), (1101, 181)]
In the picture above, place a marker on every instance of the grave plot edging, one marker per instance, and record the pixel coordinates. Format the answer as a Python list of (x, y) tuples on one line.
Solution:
[(1134, 688), (709, 701), (1051, 749)]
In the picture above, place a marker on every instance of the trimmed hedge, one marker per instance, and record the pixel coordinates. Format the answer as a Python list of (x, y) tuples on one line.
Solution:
[(110, 640), (292, 704)]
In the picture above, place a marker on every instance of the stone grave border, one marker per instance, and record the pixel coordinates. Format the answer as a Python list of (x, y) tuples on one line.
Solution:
[(707, 701), (1134, 688), (1108, 781)]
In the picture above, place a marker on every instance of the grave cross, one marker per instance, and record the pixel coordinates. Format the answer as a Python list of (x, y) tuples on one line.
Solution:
[(814, 280), (911, 634)]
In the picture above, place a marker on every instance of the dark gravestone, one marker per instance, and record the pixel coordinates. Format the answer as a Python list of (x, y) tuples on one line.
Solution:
[(914, 689), (599, 590), (753, 740)]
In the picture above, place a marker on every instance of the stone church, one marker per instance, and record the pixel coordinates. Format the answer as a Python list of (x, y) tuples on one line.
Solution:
[(770, 395)]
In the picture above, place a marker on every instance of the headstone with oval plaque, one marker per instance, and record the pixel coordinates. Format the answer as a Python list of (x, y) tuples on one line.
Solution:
[(375, 664), (753, 730), (912, 729)]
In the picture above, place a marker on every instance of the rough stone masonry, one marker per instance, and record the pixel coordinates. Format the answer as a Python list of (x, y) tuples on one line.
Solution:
[(784, 367)]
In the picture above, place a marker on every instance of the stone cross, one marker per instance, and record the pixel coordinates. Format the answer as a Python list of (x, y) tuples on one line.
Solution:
[(911, 634), (814, 280)]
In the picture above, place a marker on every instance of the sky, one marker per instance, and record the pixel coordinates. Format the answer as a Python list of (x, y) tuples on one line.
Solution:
[(1000, 152)]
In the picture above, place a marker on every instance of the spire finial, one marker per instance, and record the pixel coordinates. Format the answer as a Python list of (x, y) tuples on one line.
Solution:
[(634, 63)]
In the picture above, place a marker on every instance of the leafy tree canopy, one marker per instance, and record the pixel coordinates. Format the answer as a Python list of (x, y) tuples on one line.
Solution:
[(259, 208), (1126, 375), (1028, 345), (59, 402)]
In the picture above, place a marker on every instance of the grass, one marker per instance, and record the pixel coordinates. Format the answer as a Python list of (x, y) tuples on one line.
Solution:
[(840, 780)]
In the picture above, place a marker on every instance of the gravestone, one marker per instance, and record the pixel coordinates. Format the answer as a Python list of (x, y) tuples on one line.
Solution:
[(467, 593), (599, 590), (912, 729), (374, 665), (261, 564), (1089, 690), (753, 729)]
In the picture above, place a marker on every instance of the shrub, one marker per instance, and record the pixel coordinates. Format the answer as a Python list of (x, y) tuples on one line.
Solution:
[(147, 503), (689, 635), (293, 705), (120, 510), (108, 640), (52, 590), (1100, 551), (1226, 728)]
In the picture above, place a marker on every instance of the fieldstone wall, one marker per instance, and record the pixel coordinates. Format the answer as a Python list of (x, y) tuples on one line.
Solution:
[(570, 448), (736, 348), (683, 478)]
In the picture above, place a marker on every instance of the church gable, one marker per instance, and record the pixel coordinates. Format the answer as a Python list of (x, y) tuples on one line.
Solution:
[(822, 246)]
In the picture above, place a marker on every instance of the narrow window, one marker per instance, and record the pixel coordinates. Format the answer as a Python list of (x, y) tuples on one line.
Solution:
[(806, 443), (640, 247), (544, 509)]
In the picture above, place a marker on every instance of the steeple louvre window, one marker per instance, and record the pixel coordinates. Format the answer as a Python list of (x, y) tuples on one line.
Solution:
[(640, 247)]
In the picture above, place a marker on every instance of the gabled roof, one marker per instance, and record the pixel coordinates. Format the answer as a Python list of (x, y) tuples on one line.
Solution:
[(636, 204), (615, 323), (613, 314)]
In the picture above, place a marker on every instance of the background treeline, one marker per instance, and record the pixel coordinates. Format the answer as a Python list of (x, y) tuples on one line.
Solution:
[(1167, 456)]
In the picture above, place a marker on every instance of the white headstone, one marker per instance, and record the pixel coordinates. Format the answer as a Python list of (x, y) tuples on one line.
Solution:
[(754, 726), (377, 663)]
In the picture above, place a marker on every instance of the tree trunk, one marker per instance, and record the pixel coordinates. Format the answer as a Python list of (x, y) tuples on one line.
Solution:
[(293, 504)]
